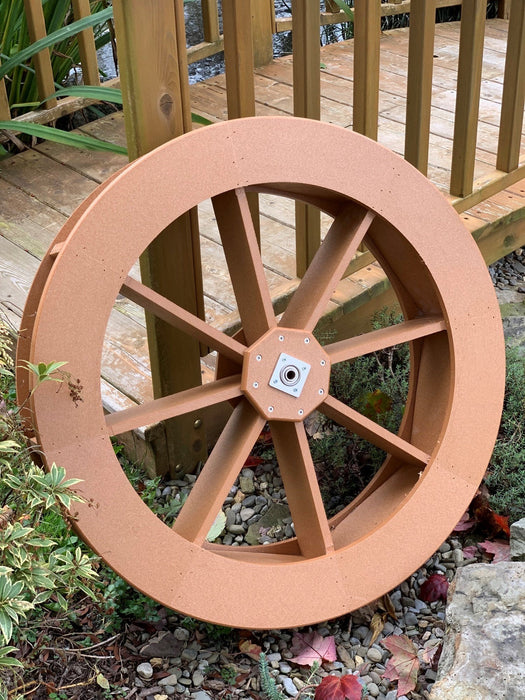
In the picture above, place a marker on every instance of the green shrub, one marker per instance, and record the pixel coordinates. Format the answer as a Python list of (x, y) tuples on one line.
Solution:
[(43, 566), (506, 475)]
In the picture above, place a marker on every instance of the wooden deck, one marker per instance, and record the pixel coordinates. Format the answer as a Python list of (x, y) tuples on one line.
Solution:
[(40, 188)]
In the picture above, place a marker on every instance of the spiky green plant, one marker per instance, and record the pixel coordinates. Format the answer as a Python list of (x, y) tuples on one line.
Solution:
[(16, 49)]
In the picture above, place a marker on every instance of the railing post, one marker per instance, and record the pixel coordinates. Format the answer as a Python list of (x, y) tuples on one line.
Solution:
[(86, 45), (419, 89), (470, 63), (42, 61), (367, 32), (263, 28), (210, 20), (156, 108), (307, 103), (504, 8), (513, 92), (239, 64)]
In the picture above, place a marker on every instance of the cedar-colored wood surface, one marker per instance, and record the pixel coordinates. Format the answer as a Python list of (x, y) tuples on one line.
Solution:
[(40, 188)]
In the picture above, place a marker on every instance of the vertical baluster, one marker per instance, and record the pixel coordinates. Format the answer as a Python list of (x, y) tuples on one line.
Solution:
[(239, 63), (156, 108), (467, 97), (367, 32), (86, 45), (210, 20), (513, 92), (419, 89), (263, 27), (307, 103), (41, 61), (238, 57)]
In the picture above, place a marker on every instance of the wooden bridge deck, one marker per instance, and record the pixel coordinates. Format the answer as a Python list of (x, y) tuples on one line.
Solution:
[(41, 187)]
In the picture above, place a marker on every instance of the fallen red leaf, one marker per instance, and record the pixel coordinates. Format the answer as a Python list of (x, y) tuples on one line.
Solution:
[(253, 461), (488, 521), (311, 647), (465, 523), (434, 588), (500, 550), (470, 551), (250, 649), (403, 665), (334, 688)]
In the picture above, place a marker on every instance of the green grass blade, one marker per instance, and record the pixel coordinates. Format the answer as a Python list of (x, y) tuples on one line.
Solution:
[(91, 92), (65, 137), (346, 9), (198, 119), (54, 38)]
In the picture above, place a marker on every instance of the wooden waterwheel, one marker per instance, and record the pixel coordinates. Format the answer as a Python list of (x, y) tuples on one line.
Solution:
[(277, 371)]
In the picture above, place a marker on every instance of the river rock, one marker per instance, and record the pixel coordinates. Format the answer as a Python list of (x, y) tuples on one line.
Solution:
[(274, 516), (517, 540), (484, 649), (164, 645)]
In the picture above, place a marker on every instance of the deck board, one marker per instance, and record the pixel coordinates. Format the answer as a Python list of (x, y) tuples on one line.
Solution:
[(41, 187)]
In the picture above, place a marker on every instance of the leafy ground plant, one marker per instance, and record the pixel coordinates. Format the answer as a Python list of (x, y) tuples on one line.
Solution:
[(43, 566)]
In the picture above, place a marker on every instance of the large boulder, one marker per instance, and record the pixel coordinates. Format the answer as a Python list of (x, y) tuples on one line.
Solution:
[(484, 649)]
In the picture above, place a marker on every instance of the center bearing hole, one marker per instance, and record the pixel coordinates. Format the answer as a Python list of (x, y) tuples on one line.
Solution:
[(290, 375)]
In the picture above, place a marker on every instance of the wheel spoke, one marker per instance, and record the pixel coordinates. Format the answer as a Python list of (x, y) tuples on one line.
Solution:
[(384, 338), (244, 263), (174, 405), (374, 433), (183, 320), (218, 474), (326, 269), (302, 489)]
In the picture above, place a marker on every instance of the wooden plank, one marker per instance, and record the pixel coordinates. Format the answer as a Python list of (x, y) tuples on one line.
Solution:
[(86, 45), (513, 91), (307, 103), (263, 26), (154, 80), (419, 89), (238, 58), (467, 97), (42, 62), (367, 31), (210, 20)]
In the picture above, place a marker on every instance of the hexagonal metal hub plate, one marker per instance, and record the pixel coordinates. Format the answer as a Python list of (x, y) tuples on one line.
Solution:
[(286, 374)]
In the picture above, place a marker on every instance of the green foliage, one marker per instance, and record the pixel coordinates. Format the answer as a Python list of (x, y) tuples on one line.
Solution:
[(375, 385), (122, 603), (268, 685), (42, 565), (506, 475), (65, 137), (16, 48)]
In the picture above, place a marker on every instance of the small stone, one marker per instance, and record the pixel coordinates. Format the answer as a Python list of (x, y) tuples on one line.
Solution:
[(345, 657), (247, 485), (374, 654), (182, 634), (517, 540), (197, 678), (391, 695), (145, 670), (246, 514), (372, 689), (285, 668), (170, 680), (202, 695), (189, 654), (411, 619), (236, 529), (169, 690), (289, 686), (445, 547)]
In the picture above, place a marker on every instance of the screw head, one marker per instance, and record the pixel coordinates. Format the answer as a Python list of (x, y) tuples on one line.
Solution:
[(255, 385), (197, 424), (258, 358), (281, 338), (270, 409), (321, 392), (300, 412), (307, 340)]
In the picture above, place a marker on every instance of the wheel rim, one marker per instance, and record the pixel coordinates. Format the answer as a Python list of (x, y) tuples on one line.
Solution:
[(434, 464)]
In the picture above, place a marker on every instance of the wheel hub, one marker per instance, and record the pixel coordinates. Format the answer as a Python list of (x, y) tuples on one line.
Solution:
[(285, 374)]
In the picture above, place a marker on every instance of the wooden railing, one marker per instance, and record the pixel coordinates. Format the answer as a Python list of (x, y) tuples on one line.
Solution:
[(243, 19)]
